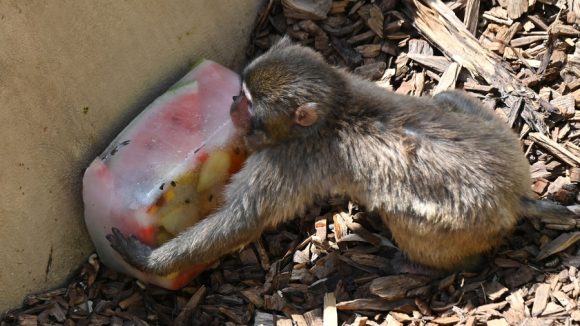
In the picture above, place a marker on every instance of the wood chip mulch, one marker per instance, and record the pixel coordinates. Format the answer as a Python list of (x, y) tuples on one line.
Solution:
[(335, 265)]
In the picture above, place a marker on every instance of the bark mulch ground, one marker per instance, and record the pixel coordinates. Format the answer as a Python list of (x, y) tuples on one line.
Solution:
[(335, 265)]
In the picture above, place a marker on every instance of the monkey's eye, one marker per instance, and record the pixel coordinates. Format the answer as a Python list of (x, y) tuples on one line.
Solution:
[(243, 95)]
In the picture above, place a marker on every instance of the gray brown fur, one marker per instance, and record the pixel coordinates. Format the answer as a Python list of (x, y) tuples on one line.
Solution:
[(447, 177)]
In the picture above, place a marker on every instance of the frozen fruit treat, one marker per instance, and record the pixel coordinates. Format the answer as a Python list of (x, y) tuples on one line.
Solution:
[(167, 169)]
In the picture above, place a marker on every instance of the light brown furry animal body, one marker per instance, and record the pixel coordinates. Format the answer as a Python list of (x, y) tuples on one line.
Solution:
[(446, 176)]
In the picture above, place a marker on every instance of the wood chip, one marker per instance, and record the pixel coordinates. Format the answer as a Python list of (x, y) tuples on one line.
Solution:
[(400, 317), (529, 25), (254, 295), (561, 243), (371, 51), (314, 317), (304, 9), (471, 15), (330, 315), (438, 63), (552, 309), (555, 148), (339, 7), (448, 79), (540, 185), (497, 322), (494, 290), (248, 256), (321, 228), (264, 318), (395, 287), (371, 71), (519, 277), (420, 47), (450, 320), (263, 254), (340, 227), (540, 299), (575, 315), (517, 311), (434, 20), (187, 311), (299, 320), (284, 322), (376, 20), (372, 238), (565, 104), (390, 321), (516, 8), (374, 304)]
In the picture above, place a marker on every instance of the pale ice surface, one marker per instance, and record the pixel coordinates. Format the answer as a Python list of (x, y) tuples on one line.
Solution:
[(159, 145)]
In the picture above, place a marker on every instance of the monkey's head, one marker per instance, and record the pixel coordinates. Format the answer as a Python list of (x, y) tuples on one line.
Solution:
[(287, 93)]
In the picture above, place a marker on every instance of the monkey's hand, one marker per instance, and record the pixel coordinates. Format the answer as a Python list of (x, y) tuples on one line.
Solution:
[(204, 242), (130, 248), (252, 203)]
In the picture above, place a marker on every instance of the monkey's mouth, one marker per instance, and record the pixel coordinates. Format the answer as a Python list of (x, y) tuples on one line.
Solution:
[(240, 112)]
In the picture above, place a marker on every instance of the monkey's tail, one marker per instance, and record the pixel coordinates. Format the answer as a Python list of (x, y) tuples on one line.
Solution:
[(545, 209)]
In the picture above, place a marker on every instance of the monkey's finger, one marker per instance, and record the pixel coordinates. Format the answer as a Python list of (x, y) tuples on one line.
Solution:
[(112, 239), (133, 238), (118, 241), (115, 244), (118, 234), (137, 246), (133, 242)]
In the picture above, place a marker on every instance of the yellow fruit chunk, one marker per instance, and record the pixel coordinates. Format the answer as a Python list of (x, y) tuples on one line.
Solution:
[(178, 219), (189, 178), (210, 199), (215, 170), (163, 236), (169, 195), (171, 276)]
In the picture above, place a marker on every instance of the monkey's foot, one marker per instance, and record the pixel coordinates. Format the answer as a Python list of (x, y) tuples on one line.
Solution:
[(135, 252), (402, 265)]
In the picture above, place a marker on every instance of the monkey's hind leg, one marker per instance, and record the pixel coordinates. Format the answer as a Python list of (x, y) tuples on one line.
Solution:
[(403, 265), (443, 250)]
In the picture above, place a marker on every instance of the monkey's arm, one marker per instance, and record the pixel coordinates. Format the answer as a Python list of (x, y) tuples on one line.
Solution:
[(204, 242), (257, 196)]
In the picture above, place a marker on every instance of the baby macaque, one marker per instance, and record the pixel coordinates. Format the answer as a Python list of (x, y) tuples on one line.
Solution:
[(447, 178)]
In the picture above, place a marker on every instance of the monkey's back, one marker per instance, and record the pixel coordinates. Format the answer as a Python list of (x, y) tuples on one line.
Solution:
[(451, 175)]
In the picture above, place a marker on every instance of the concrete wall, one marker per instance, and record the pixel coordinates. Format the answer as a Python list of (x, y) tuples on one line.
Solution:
[(73, 73)]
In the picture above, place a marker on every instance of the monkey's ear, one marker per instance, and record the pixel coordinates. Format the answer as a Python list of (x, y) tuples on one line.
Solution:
[(284, 42), (306, 115)]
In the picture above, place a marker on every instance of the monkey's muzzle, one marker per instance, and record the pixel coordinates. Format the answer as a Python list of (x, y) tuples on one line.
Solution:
[(240, 112)]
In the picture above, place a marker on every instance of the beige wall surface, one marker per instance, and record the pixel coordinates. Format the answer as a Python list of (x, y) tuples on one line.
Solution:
[(73, 73)]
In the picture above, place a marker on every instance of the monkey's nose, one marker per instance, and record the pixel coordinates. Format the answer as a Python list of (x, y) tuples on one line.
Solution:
[(234, 106)]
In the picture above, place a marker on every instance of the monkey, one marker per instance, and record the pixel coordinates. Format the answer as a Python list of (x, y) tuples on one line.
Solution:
[(444, 174)]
